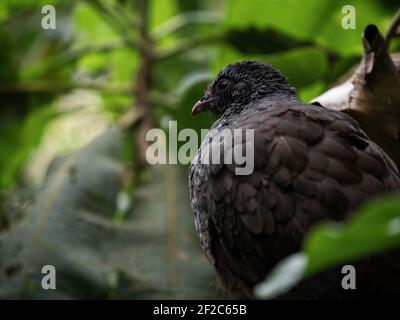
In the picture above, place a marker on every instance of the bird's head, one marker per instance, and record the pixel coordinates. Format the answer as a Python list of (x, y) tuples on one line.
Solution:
[(239, 83)]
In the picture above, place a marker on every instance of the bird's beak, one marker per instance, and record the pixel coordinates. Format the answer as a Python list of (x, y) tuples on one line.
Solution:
[(201, 105)]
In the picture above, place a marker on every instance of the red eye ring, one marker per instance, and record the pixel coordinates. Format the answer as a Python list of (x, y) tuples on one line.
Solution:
[(223, 85)]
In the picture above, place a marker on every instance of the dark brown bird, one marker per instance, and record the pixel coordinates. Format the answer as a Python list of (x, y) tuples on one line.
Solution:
[(311, 164)]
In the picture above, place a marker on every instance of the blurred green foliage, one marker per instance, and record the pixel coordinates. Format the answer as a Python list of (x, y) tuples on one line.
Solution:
[(91, 46), (96, 47), (312, 20)]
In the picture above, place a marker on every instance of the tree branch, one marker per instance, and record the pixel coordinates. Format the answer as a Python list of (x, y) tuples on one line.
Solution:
[(143, 82)]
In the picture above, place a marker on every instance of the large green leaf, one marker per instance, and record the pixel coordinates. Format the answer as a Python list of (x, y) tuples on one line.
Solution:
[(192, 89), (95, 33), (62, 226), (319, 21), (374, 229), (70, 223), (92, 27), (161, 11), (295, 63)]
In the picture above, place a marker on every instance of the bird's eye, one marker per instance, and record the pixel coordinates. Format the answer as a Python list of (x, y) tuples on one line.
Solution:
[(223, 85)]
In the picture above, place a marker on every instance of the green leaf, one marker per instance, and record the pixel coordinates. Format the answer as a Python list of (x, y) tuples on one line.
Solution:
[(92, 27), (308, 93), (71, 225), (8, 63), (286, 274), (295, 63), (375, 228), (63, 223), (189, 91), (26, 135), (160, 11), (309, 20)]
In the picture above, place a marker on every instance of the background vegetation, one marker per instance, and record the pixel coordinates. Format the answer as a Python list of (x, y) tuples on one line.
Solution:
[(75, 191)]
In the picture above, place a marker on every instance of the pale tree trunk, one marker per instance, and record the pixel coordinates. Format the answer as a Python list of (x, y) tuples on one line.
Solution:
[(371, 95)]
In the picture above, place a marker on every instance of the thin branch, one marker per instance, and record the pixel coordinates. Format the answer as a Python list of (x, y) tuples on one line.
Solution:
[(172, 226)]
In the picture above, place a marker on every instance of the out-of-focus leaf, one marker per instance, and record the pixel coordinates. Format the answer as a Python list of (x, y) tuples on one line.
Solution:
[(161, 10), (122, 65), (311, 91), (160, 243), (8, 65), (260, 41), (92, 27), (152, 254), (189, 91), (295, 64), (286, 274), (9, 8), (191, 80), (37, 50), (302, 66), (119, 65), (26, 136), (27, 4), (62, 227), (116, 66), (80, 119), (373, 229), (309, 20)]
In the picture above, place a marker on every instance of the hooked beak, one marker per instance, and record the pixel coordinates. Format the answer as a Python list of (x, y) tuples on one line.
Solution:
[(201, 105)]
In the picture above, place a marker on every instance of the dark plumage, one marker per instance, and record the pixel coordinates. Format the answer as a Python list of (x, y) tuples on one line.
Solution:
[(311, 164)]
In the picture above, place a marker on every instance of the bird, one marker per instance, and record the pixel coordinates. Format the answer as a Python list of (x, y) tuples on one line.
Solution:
[(311, 164)]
